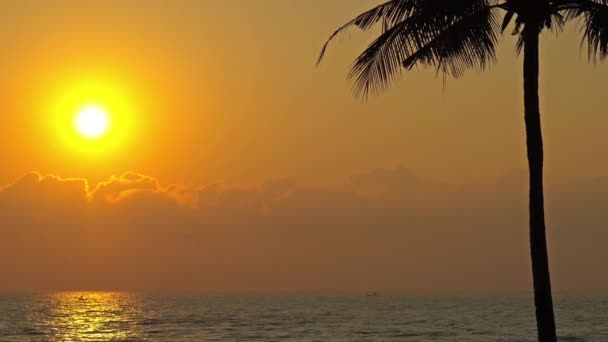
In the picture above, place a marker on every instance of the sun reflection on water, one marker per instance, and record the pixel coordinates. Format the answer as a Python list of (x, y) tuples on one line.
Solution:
[(91, 316)]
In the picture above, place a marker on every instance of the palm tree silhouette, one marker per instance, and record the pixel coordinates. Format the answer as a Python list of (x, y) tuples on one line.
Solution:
[(456, 35)]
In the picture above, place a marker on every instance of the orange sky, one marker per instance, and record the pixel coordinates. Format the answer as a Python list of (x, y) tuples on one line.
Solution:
[(226, 92)]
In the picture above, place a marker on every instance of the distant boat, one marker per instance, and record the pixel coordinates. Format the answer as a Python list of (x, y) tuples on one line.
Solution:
[(371, 294), (81, 298)]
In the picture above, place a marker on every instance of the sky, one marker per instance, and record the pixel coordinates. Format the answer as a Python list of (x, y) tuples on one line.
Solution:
[(241, 166)]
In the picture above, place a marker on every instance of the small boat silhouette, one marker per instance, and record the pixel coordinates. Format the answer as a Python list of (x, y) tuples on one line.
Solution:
[(371, 294), (81, 298)]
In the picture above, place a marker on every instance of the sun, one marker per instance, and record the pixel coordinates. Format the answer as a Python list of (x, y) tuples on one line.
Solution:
[(93, 116), (92, 121)]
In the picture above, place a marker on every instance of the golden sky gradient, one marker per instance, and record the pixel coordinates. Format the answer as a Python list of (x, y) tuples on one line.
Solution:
[(226, 92)]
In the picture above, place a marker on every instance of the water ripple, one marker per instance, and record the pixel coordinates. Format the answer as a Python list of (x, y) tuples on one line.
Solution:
[(121, 316)]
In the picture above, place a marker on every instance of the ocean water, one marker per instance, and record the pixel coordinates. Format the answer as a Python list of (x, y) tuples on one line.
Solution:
[(121, 316)]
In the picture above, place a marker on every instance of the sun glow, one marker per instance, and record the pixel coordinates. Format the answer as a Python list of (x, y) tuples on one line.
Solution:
[(92, 121), (93, 117)]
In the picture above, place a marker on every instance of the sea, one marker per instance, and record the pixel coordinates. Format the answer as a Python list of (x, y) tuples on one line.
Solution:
[(125, 316)]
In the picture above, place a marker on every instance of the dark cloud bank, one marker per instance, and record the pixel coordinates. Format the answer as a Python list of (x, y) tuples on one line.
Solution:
[(386, 230)]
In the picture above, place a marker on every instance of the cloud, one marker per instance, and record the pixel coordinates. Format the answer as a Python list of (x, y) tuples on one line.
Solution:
[(388, 230), (128, 184), (35, 188)]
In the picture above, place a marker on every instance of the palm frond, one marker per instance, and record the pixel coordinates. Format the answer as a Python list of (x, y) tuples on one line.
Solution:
[(468, 43), (596, 30), (458, 36), (389, 13), (594, 17), (519, 45), (556, 22), (507, 20), (380, 63)]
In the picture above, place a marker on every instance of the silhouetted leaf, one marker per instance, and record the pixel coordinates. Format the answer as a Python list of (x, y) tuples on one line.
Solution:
[(507, 20), (389, 12), (457, 35)]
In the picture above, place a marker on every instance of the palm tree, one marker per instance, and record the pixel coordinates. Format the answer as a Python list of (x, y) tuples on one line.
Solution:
[(453, 36)]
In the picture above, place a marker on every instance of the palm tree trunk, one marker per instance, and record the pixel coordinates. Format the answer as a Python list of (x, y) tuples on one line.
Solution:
[(545, 320)]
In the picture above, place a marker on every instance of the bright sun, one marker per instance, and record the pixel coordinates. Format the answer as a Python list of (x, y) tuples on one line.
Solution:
[(93, 118), (92, 121)]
